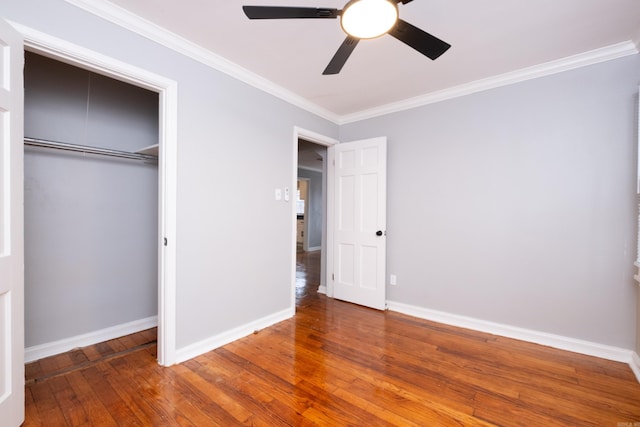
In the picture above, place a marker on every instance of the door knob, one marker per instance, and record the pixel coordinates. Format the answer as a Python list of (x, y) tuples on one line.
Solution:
[(379, 233)]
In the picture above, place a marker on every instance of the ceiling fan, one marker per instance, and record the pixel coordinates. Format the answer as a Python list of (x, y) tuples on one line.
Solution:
[(360, 19)]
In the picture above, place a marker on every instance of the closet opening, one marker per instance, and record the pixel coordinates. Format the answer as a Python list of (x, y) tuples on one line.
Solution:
[(92, 204)]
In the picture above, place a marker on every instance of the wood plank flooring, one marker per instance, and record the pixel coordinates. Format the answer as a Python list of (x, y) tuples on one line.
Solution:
[(334, 364)]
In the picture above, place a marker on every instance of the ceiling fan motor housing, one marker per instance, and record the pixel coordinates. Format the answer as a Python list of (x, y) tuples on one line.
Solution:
[(386, 11), (368, 19)]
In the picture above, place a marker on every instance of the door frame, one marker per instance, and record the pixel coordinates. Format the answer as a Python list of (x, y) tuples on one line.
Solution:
[(167, 90), (327, 235)]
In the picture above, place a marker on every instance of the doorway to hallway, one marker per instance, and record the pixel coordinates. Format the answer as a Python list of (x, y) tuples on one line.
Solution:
[(310, 151), (311, 207)]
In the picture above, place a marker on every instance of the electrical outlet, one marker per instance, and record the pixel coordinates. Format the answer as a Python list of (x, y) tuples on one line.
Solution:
[(393, 280)]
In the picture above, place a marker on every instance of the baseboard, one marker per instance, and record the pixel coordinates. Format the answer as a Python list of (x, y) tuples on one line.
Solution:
[(556, 341), (322, 290), (314, 248), (204, 346), (635, 365), (50, 349)]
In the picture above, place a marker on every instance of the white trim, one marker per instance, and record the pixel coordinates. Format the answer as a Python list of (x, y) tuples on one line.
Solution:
[(166, 38), (145, 28), (322, 290), (40, 351), (638, 159), (572, 62), (167, 89), (636, 39), (634, 364), (331, 186), (556, 341), (314, 248), (206, 345), (315, 137), (168, 201), (308, 168)]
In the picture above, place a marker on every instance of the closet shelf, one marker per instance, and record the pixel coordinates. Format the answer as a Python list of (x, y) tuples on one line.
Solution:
[(151, 150), (35, 142)]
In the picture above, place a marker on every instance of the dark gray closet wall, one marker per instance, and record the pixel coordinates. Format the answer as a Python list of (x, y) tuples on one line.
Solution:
[(90, 221)]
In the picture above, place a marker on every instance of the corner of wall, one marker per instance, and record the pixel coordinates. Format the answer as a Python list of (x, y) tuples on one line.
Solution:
[(636, 40), (209, 344), (41, 351), (634, 364), (556, 341)]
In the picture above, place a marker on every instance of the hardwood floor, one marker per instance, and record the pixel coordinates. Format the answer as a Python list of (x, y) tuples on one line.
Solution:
[(334, 364)]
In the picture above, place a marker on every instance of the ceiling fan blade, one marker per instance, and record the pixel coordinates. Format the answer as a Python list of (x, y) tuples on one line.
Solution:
[(285, 12), (341, 56), (421, 41)]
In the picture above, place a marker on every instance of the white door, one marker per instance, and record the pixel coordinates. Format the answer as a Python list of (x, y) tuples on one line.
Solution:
[(11, 228), (359, 241)]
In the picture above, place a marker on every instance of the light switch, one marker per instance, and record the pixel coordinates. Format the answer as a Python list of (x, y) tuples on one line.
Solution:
[(278, 194), (286, 194)]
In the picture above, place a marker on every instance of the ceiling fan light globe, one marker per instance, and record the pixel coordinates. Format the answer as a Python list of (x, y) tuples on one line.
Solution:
[(368, 19)]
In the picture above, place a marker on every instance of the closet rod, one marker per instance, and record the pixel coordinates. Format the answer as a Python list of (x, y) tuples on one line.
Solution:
[(35, 142)]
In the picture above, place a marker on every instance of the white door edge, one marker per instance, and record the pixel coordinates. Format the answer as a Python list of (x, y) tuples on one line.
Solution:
[(12, 379)]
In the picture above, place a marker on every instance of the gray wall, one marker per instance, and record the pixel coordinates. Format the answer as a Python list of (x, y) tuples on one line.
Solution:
[(517, 205), (314, 209), (91, 222), (514, 205), (225, 129)]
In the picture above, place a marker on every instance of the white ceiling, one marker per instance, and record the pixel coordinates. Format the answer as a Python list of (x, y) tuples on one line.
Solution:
[(488, 38)]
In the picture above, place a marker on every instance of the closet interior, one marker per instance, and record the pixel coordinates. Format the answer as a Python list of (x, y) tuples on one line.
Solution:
[(91, 206)]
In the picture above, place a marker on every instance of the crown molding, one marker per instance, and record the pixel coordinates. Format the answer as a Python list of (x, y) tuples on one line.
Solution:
[(309, 168), (145, 28), (123, 18), (565, 64)]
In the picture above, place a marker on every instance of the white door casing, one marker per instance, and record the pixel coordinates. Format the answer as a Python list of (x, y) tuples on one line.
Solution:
[(359, 210), (11, 227), (167, 89)]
